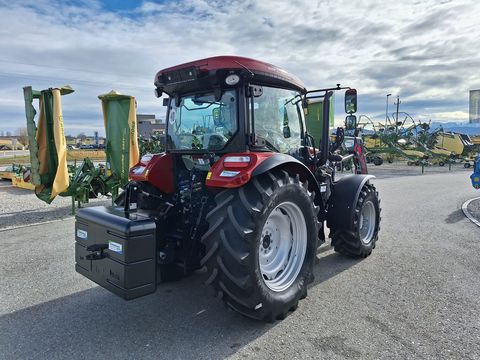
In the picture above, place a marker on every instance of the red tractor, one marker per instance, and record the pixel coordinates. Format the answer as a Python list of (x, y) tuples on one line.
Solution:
[(241, 190)]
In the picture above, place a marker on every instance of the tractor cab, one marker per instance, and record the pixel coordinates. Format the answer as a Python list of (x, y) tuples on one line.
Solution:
[(232, 104)]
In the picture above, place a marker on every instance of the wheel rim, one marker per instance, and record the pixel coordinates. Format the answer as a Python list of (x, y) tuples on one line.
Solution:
[(367, 222), (283, 246)]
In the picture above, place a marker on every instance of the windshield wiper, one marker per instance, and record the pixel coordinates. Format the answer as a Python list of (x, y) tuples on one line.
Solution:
[(270, 146)]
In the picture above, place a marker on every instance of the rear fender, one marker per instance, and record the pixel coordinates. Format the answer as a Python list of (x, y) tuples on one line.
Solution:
[(292, 166), (260, 163), (341, 204)]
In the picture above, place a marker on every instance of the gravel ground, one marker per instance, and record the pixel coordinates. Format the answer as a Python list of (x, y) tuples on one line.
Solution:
[(400, 168), (474, 208), (21, 207)]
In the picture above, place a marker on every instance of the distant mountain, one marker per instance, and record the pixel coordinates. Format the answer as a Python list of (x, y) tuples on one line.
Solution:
[(459, 127)]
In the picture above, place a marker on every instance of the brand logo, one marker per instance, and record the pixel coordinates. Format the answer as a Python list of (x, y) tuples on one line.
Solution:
[(82, 234)]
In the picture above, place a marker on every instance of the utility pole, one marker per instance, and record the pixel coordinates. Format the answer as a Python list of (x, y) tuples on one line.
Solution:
[(386, 110), (398, 104)]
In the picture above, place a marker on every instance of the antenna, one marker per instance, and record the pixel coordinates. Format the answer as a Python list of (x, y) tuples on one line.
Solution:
[(250, 71)]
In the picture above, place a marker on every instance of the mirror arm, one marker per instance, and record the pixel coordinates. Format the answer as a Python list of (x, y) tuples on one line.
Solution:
[(325, 130)]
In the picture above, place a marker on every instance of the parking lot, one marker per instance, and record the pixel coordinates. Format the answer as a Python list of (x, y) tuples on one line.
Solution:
[(416, 296)]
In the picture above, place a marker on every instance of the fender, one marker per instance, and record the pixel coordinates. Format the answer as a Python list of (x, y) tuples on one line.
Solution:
[(225, 174), (157, 169), (292, 165), (341, 203)]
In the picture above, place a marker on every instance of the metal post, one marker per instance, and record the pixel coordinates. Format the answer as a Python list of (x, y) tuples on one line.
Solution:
[(14, 146), (386, 110), (325, 130), (396, 120)]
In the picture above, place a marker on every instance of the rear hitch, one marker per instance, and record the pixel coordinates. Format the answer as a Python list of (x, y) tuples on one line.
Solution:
[(97, 250)]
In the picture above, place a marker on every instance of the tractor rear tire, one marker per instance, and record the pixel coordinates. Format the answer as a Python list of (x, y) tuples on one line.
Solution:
[(360, 241), (261, 245)]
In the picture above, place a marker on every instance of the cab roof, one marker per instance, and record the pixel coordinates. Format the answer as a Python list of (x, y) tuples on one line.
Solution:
[(266, 73)]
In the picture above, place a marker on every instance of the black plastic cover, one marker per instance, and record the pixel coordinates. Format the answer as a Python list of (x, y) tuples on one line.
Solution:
[(126, 266)]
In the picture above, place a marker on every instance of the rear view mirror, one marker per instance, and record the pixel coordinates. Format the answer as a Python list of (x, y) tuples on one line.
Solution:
[(350, 122), (286, 132), (351, 101), (165, 102), (216, 115)]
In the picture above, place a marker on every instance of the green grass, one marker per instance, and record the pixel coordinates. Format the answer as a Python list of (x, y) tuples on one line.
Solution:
[(23, 159)]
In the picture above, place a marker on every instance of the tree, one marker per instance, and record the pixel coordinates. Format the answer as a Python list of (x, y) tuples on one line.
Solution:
[(22, 136), (81, 137)]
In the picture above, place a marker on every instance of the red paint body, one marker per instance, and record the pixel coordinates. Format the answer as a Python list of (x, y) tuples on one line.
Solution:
[(235, 63), (357, 148), (245, 172), (158, 171)]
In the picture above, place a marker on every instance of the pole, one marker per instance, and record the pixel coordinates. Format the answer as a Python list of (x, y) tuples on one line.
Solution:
[(386, 110), (396, 121), (398, 104), (14, 145)]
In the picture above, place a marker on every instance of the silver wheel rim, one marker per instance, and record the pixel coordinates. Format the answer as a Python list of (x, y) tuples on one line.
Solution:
[(283, 246), (367, 222)]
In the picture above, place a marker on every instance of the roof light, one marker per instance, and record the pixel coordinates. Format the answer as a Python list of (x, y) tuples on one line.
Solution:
[(232, 79)]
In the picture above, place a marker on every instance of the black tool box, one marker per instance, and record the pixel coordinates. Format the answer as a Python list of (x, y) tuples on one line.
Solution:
[(116, 249)]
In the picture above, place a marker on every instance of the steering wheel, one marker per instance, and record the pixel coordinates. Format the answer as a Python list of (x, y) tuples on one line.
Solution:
[(214, 141)]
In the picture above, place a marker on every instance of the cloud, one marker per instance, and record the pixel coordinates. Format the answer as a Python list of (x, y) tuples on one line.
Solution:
[(424, 51)]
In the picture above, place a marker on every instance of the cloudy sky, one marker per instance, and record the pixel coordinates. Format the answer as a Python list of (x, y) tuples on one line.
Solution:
[(425, 51)]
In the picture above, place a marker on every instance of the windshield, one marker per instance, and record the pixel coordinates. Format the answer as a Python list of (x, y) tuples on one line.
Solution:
[(201, 122)]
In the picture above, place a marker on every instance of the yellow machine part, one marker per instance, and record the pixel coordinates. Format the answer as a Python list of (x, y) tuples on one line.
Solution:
[(18, 181), (371, 143), (475, 139), (6, 175), (442, 152), (450, 142), (414, 153)]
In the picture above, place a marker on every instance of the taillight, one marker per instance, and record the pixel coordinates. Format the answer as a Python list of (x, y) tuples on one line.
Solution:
[(236, 161), (146, 158)]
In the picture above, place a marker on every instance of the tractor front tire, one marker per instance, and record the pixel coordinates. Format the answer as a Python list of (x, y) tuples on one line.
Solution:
[(360, 241), (261, 244)]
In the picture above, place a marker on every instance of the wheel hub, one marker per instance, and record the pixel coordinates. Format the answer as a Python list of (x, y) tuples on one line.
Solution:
[(266, 241), (367, 222), (283, 246)]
